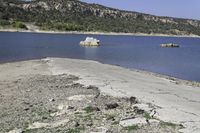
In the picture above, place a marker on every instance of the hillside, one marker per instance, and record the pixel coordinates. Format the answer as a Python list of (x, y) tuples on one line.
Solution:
[(74, 15)]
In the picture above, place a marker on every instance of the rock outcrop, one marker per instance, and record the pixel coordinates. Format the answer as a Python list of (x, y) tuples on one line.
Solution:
[(170, 45), (90, 41)]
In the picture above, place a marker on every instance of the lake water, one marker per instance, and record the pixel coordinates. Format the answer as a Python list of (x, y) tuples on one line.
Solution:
[(128, 51)]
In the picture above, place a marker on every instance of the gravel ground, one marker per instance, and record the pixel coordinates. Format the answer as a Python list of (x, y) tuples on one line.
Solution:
[(37, 103)]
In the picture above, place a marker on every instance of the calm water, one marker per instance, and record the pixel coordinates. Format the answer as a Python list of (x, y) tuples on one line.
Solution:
[(127, 51)]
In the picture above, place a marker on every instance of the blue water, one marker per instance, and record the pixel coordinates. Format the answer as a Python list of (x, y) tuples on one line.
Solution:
[(128, 51)]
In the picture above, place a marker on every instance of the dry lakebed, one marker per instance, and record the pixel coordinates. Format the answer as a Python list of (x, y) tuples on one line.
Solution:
[(79, 96)]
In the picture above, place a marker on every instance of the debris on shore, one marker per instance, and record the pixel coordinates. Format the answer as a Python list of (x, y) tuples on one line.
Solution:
[(90, 41)]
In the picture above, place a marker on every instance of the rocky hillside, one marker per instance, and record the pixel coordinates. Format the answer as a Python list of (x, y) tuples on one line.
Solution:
[(74, 15)]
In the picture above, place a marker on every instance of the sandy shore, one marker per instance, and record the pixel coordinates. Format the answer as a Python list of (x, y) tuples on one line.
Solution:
[(95, 33), (168, 100)]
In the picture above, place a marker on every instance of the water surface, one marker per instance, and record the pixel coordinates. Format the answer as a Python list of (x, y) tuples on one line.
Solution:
[(128, 51)]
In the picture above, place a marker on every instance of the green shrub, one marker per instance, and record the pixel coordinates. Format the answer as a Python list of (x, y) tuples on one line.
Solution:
[(131, 128), (89, 109), (4, 23), (19, 25), (61, 26)]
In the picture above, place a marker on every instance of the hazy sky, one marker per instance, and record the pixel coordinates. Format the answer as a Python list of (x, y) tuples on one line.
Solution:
[(174, 8)]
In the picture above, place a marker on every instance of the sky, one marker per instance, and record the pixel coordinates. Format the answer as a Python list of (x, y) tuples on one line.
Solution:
[(172, 8)]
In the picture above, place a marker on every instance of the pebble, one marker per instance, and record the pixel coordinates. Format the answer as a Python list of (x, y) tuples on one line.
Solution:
[(52, 100)]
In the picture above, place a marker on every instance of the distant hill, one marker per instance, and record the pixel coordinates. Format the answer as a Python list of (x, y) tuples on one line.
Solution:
[(74, 15)]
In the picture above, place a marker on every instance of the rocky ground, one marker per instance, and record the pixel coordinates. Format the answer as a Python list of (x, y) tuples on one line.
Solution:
[(45, 103)]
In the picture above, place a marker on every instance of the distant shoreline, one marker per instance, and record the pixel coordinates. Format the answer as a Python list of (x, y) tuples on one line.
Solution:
[(96, 33)]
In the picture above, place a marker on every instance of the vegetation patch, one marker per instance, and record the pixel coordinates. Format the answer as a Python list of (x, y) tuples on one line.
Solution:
[(147, 115), (4, 22), (90, 109), (75, 130), (168, 124), (61, 26), (92, 17), (19, 25), (33, 130), (131, 128)]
